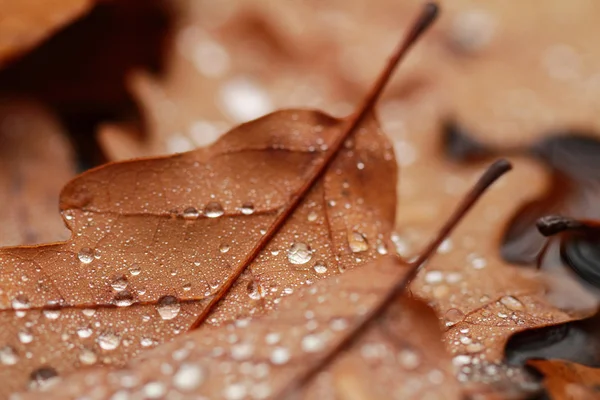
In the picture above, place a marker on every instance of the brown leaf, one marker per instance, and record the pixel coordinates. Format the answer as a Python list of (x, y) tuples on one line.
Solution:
[(25, 23), (400, 354), (568, 381), (36, 160)]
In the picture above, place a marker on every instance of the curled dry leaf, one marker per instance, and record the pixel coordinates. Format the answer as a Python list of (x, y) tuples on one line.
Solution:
[(25, 23), (568, 381), (400, 355), (166, 236), (36, 160)]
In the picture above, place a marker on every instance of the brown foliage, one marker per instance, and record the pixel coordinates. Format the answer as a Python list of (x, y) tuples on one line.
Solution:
[(568, 381)]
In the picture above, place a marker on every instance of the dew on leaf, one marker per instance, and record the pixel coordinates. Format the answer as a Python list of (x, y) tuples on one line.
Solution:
[(119, 283), (247, 209), (299, 253), (512, 303), (213, 210), (224, 248), (8, 355), (409, 359), (154, 390), (189, 377), (51, 314), (42, 378), (123, 299), (312, 216), (453, 316), (168, 307), (320, 268), (235, 391), (20, 302), (280, 355), (191, 213), (84, 332), (25, 336), (88, 356), (253, 289), (357, 242), (108, 340), (86, 255), (135, 270), (433, 277), (312, 343)]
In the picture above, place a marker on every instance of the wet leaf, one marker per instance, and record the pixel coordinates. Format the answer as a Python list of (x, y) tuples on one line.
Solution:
[(25, 23), (568, 381), (400, 354), (36, 160)]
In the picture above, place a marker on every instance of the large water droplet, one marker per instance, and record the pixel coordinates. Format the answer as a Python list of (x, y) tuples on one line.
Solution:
[(86, 255), (135, 270), (213, 210), (108, 340), (299, 253), (224, 248), (20, 302), (357, 242), (8, 355), (25, 336), (191, 213), (320, 268), (453, 316), (247, 209), (280, 355), (43, 377), (253, 290), (168, 307), (119, 283), (84, 332), (123, 299), (512, 303), (189, 377), (51, 314)]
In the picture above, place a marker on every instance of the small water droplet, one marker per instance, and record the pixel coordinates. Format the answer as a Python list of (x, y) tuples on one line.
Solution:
[(168, 307), (409, 359), (119, 283), (42, 378), (123, 299), (253, 290), (247, 209), (135, 270), (154, 390), (312, 216), (8, 355), (312, 343), (51, 314), (108, 340), (86, 255), (299, 253), (433, 277), (445, 246), (88, 312), (474, 347), (235, 391), (272, 338), (213, 210), (20, 302), (512, 303), (280, 355), (476, 261), (189, 377), (241, 351), (88, 356), (84, 332), (320, 268), (453, 316), (357, 242), (224, 248), (381, 248), (25, 336), (191, 213), (461, 360), (187, 287)]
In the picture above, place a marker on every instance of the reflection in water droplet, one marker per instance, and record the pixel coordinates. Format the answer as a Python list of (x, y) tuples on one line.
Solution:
[(247, 209), (320, 268), (213, 210), (20, 302), (135, 270), (189, 377), (453, 316), (86, 255), (357, 242), (512, 303), (191, 213), (168, 307), (42, 378), (123, 299), (253, 290), (8, 355), (119, 283), (224, 248), (299, 253), (88, 356), (280, 355), (108, 340)]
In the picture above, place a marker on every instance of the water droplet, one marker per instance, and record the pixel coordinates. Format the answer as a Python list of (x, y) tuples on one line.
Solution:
[(320, 268), (247, 208), (88, 312), (299, 253), (360, 165), (108, 340), (241, 351), (357, 242), (20, 302), (51, 314), (187, 287), (84, 332), (512, 303), (272, 338), (154, 390), (235, 391), (312, 343), (147, 342), (461, 360), (135, 270), (88, 356), (339, 324), (191, 213), (25, 336), (409, 359), (453, 316), (43, 377), (312, 216), (381, 248), (224, 248), (445, 246), (213, 210), (253, 290), (123, 299), (8, 355), (433, 277), (280, 355), (189, 377), (119, 283), (86, 255), (474, 347), (168, 307), (476, 261)]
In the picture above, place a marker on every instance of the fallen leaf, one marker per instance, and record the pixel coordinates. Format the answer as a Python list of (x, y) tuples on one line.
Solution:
[(568, 381), (25, 23), (400, 355), (36, 160)]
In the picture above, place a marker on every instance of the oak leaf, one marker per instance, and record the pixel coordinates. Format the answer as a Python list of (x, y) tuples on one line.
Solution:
[(568, 381), (25, 23)]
